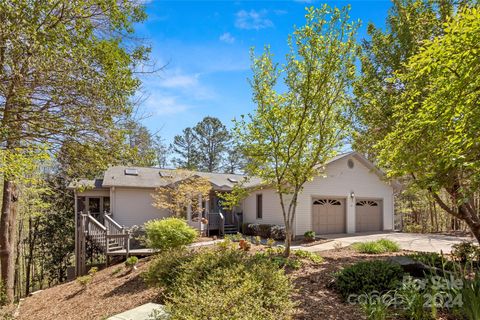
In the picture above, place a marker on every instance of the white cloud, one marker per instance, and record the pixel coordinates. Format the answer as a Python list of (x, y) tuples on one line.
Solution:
[(179, 81), (227, 38), (252, 19), (165, 105)]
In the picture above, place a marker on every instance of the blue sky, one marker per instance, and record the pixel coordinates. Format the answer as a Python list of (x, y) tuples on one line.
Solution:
[(204, 47)]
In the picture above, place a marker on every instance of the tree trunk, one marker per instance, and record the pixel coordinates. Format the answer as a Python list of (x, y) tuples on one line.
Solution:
[(7, 237), (461, 212)]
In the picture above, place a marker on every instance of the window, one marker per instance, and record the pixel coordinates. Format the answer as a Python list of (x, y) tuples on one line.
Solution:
[(259, 206), (106, 204), (94, 205), (350, 163)]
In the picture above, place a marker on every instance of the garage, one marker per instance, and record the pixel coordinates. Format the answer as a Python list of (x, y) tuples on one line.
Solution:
[(368, 215), (328, 216)]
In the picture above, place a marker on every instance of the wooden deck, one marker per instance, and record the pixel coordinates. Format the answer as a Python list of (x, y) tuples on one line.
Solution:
[(132, 252), (150, 251)]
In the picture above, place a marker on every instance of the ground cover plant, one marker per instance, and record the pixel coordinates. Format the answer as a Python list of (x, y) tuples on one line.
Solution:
[(376, 247)]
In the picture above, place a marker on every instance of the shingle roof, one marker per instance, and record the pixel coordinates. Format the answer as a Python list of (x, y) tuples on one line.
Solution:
[(155, 177), (85, 183)]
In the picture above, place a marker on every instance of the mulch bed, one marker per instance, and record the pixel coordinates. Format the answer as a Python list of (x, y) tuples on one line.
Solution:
[(110, 294), (314, 243), (315, 295), (106, 295)]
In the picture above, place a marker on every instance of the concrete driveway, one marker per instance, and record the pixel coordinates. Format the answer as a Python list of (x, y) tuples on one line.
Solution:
[(407, 241)]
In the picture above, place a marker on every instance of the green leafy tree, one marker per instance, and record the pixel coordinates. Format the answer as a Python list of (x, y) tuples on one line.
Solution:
[(435, 138), (408, 24), (185, 148), (212, 139), (66, 71), (141, 140), (161, 150), (291, 135)]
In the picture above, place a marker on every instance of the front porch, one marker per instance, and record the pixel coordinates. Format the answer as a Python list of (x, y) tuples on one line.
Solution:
[(96, 226)]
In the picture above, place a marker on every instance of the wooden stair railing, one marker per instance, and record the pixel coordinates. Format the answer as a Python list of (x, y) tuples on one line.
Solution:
[(117, 237), (96, 231)]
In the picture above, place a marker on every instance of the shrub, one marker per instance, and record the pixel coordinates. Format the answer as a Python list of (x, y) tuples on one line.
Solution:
[(93, 271), (251, 286), (165, 268), (309, 235), (169, 233), (376, 247), (465, 252), (278, 232), (245, 245), (84, 280), (257, 240), (312, 256), (116, 271), (252, 294), (368, 276), (131, 262), (270, 242), (264, 230)]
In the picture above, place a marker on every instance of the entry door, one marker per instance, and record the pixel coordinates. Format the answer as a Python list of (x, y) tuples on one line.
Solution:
[(368, 215), (328, 216)]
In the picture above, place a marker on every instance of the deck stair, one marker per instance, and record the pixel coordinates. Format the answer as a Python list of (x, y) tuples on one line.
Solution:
[(110, 237), (230, 229)]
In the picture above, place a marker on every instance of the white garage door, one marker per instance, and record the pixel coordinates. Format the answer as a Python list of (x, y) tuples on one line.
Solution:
[(328, 216), (368, 215)]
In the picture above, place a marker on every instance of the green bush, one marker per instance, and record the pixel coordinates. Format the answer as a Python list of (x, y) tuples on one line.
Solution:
[(169, 233), (312, 256), (466, 252), (131, 262), (368, 276), (251, 286), (165, 267), (376, 247), (84, 280), (309, 235)]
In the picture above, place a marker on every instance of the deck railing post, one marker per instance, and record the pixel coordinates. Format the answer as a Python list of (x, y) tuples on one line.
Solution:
[(128, 244)]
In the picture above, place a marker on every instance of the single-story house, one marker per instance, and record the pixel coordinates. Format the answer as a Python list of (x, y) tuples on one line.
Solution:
[(352, 196)]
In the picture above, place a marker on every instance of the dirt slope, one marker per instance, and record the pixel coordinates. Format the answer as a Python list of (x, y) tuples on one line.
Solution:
[(106, 295)]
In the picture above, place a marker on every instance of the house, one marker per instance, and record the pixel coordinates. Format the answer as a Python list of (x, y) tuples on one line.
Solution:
[(353, 196)]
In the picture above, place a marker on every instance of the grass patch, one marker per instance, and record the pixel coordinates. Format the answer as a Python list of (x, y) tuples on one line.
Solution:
[(376, 247)]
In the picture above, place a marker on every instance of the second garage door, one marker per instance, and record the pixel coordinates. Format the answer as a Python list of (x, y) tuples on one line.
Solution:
[(328, 216), (368, 215)]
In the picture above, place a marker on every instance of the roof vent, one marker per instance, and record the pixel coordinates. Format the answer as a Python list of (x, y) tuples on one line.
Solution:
[(232, 180), (131, 172)]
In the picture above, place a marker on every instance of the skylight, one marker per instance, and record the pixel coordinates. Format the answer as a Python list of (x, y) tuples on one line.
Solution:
[(232, 180), (131, 172)]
